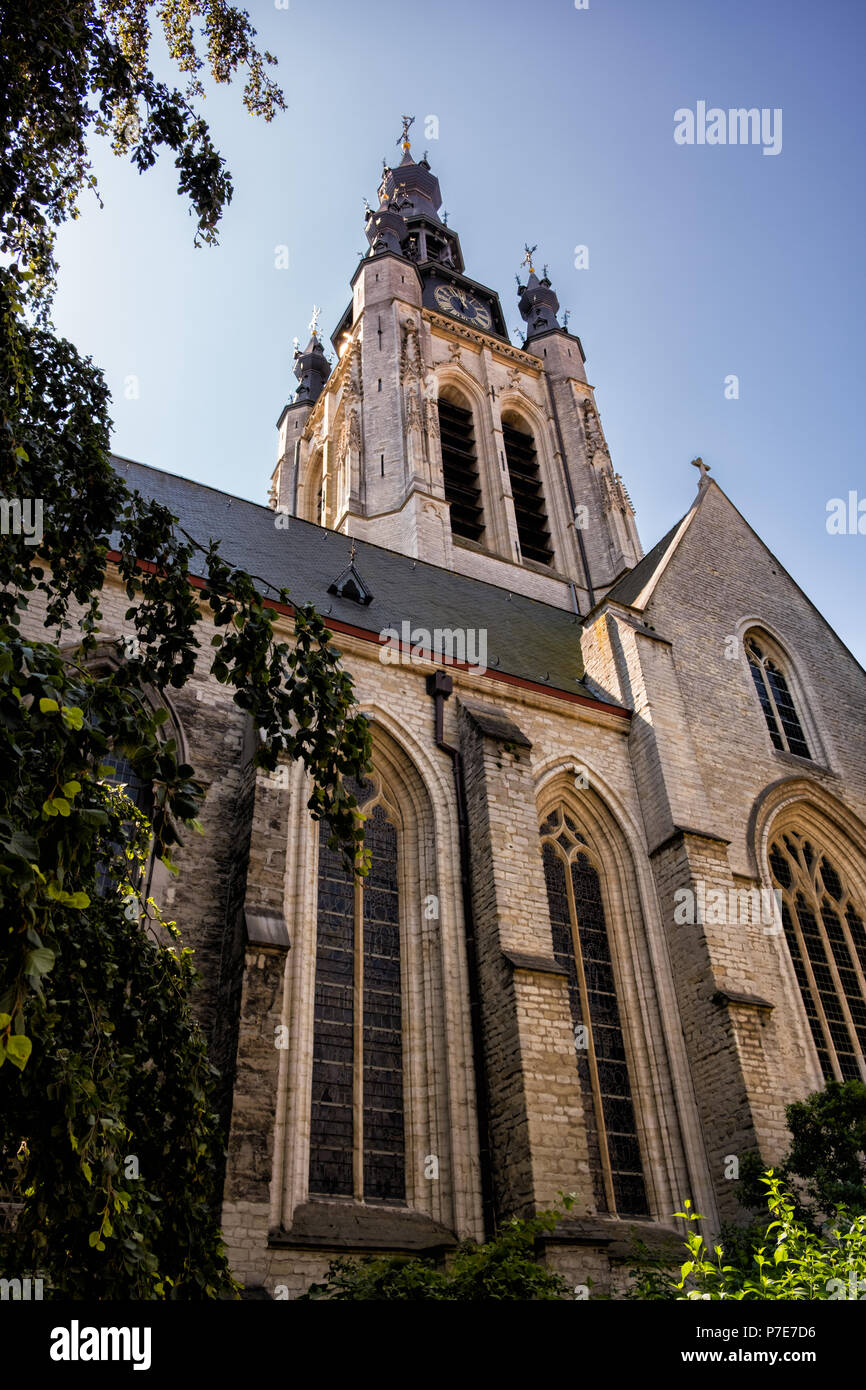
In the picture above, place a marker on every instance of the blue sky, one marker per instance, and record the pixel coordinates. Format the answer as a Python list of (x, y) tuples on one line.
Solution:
[(555, 126)]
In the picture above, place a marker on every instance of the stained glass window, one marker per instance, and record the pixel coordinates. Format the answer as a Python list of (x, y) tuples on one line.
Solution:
[(357, 1142), (138, 792), (826, 938), (582, 946), (783, 722)]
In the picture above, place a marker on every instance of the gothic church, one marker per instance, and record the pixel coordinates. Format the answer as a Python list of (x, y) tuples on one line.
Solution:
[(593, 769)]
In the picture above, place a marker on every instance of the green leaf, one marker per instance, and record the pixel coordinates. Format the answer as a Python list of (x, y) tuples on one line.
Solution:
[(18, 1049), (48, 706), (38, 962), (71, 789), (73, 717)]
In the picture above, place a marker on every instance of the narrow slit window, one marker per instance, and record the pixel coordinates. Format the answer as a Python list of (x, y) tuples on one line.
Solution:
[(529, 509)]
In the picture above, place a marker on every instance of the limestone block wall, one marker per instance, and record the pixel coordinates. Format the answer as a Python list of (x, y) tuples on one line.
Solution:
[(536, 1110)]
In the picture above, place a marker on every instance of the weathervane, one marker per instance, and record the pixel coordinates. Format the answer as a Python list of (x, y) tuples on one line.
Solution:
[(314, 321), (544, 273), (565, 317), (404, 138), (527, 259)]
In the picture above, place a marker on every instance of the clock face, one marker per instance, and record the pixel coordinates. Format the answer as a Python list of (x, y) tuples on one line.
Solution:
[(462, 304)]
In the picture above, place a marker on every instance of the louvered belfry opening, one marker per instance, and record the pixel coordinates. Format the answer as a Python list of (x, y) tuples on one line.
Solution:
[(460, 470), (529, 509)]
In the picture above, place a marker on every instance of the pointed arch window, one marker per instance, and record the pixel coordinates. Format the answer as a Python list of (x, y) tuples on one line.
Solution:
[(774, 693), (102, 664), (357, 1144), (140, 793), (826, 935), (529, 509), (581, 944), (460, 470)]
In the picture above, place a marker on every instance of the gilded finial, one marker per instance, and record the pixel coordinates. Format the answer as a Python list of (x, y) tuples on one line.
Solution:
[(404, 138), (314, 321), (527, 259)]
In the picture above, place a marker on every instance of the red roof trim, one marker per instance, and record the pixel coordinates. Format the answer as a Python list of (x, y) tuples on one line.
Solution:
[(366, 635)]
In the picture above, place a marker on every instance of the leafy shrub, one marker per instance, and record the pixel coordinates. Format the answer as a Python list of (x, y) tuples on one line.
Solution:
[(504, 1268), (790, 1261)]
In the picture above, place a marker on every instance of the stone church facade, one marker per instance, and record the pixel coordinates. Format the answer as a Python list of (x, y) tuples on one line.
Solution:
[(560, 975)]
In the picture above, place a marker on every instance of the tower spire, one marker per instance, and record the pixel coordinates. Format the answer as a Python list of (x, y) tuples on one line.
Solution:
[(409, 196), (311, 366), (537, 300)]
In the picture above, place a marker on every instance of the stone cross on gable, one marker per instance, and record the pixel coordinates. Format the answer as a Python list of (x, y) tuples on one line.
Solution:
[(704, 470)]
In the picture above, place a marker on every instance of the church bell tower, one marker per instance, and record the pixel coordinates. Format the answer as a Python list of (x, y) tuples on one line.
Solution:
[(435, 436)]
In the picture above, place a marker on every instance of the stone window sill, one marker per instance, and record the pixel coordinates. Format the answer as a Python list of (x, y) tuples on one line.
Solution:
[(353, 1226), (795, 760)]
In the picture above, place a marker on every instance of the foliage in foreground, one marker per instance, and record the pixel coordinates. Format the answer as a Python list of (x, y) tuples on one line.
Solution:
[(108, 1140), (825, 1166), (791, 1262)]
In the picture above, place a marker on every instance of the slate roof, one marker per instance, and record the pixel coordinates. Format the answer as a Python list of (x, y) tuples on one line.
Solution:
[(627, 589), (528, 639)]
